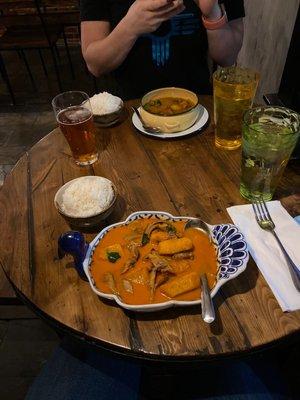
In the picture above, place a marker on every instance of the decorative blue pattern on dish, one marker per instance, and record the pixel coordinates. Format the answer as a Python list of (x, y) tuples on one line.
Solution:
[(230, 244), (231, 248)]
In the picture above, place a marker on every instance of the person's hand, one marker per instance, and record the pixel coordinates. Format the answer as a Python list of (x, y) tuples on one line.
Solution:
[(210, 8), (145, 16)]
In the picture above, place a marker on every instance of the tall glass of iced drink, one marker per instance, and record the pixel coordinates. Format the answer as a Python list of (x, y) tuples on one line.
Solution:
[(269, 137), (234, 91)]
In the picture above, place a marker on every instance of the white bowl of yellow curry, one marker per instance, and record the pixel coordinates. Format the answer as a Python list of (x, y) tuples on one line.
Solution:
[(150, 262), (170, 109)]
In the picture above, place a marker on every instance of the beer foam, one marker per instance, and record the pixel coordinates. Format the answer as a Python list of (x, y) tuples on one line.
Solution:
[(74, 115)]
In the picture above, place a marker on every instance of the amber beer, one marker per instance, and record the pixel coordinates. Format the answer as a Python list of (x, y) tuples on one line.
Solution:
[(234, 91), (75, 118), (76, 123)]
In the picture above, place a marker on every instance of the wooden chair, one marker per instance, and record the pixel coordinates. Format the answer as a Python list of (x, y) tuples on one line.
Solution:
[(27, 28)]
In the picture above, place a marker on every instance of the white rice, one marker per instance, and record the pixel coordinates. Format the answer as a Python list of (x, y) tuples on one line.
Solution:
[(105, 103), (87, 196)]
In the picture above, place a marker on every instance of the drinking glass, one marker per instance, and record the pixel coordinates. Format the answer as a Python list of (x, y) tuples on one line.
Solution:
[(234, 91), (74, 115), (269, 137)]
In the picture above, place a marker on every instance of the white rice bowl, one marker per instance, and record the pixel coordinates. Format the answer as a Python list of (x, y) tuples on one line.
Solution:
[(85, 197), (105, 103)]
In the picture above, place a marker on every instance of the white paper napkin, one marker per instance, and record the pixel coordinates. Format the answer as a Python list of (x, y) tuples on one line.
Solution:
[(266, 251)]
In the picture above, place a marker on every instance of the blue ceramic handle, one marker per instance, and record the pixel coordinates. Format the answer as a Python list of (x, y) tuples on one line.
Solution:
[(73, 243)]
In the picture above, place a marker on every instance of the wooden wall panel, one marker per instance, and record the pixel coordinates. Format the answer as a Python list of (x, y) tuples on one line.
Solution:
[(268, 29)]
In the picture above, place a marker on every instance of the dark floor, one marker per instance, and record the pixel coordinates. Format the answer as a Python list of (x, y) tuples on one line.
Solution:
[(25, 345), (25, 341)]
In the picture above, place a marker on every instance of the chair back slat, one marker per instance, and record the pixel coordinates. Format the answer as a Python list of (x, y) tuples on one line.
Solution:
[(20, 20), (26, 13)]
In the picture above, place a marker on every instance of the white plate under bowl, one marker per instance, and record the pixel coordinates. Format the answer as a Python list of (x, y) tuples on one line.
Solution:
[(198, 125), (232, 255)]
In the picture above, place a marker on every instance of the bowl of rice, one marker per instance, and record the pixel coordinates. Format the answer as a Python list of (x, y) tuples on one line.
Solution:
[(86, 201), (106, 108)]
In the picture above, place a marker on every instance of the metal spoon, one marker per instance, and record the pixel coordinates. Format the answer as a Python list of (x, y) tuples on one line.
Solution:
[(208, 312), (147, 128)]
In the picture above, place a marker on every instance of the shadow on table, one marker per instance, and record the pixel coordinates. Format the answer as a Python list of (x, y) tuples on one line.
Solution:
[(242, 284), (103, 133)]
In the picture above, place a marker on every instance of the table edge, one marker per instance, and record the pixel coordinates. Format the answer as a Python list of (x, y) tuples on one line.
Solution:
[(139, 355)]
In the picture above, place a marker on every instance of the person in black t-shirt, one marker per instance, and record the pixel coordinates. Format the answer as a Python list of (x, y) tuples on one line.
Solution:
[(154, 43)]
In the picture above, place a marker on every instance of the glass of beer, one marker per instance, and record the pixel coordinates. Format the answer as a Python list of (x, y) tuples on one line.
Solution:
[(75, 118), (269, 137), (234, 91)]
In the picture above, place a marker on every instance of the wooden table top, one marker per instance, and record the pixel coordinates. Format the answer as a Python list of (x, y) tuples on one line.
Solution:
[(190, 177)]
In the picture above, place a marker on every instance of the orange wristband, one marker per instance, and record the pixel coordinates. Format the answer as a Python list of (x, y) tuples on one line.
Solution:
[(218, 23)]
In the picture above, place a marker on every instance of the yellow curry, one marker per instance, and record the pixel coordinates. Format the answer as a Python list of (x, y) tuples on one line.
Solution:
[(169, 105), (152, 261)]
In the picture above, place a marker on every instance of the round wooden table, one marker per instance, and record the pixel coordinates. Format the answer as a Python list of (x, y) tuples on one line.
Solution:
[(189, 176)]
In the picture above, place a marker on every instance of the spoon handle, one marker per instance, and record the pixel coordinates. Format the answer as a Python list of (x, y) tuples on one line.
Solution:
[(134, 109), (208, 312)]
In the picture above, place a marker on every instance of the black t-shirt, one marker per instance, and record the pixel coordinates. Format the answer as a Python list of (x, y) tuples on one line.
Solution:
[(174, 55)]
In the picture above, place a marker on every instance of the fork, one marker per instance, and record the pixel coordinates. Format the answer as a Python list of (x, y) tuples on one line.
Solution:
[(150, 129), (265, 221)]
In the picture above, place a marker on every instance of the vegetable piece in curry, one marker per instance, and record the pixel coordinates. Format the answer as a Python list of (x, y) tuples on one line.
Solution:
[(153, 261)]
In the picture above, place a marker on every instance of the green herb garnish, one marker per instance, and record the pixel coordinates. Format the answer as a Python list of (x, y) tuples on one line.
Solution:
[(113, 256), (145, 239), (171, 229)]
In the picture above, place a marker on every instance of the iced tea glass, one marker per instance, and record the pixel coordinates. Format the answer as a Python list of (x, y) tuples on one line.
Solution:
[(75, 118), (234, 91), (269, 137)]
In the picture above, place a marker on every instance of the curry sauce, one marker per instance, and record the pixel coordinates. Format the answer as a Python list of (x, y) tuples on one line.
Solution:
[(168, 106), (153, 261)]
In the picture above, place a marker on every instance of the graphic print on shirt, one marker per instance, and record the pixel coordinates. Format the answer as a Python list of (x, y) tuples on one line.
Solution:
[(182, 24)]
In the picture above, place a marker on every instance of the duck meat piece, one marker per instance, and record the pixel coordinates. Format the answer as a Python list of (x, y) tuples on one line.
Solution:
[(127, 286), (133, 247), (159, 263), (185, 255), (152, 278), (108, 278), (160, 225), (161, 279), (156, 225)]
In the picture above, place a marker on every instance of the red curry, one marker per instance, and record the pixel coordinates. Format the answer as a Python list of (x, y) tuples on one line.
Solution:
[(151, 261)]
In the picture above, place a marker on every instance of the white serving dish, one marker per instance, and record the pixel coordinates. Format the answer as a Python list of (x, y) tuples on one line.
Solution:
[(232, 254)]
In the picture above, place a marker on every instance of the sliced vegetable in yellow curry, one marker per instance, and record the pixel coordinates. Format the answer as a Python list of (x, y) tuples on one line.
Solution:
[(152, 261)]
